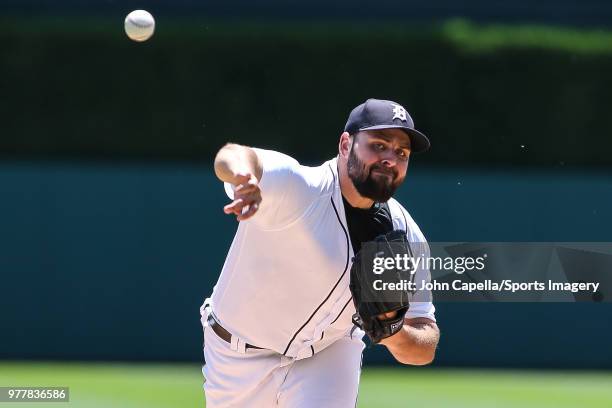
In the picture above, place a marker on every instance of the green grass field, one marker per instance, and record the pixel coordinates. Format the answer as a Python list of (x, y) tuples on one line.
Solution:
[(179, 385)]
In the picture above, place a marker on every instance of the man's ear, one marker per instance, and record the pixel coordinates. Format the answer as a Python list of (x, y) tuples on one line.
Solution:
[(344, 146)]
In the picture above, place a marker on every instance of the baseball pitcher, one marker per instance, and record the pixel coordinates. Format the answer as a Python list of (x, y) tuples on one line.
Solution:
[(284, 324)]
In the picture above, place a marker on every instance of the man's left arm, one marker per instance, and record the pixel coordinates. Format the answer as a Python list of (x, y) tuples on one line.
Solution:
[(416, 343)]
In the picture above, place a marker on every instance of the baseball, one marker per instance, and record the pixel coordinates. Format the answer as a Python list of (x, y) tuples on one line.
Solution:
[(139, 25)]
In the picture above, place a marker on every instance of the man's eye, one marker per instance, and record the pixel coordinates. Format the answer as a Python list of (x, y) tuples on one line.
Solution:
[(402, 154), (379, 146)]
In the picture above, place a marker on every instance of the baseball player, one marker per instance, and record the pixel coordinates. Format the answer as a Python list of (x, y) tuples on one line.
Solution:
[(279, 327)]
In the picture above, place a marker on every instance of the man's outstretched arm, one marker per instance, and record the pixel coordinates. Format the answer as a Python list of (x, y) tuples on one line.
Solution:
[(416, 343), (241, 167)]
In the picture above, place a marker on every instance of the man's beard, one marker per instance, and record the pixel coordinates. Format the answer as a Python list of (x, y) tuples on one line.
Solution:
[(380, 189)]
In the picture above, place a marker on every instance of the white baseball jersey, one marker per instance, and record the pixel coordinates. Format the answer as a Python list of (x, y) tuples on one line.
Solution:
[(285, 282)]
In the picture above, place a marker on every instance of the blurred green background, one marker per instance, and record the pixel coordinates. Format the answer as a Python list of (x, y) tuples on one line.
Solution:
[(96, 385), (112, 232), (480, 91)]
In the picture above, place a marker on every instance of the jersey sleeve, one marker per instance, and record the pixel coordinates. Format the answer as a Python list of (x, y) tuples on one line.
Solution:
[(287, 189), (421, 304)]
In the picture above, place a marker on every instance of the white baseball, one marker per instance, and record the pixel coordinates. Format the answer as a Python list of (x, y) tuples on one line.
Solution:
[(139, 25)]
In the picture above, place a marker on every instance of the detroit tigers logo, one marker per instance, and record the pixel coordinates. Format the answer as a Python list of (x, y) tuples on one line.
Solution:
[(399, 113)]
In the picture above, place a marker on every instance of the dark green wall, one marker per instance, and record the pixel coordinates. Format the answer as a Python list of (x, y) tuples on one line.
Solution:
[(82, 89), (111, 261)]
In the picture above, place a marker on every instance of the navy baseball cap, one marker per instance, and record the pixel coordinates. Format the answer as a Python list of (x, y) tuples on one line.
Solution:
[(381, 114)]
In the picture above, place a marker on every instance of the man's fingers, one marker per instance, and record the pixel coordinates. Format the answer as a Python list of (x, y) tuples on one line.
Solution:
[(252, 201), (234, 207), (249, 213), (247, 197), (387, 315), (245, 188), (237, 206)]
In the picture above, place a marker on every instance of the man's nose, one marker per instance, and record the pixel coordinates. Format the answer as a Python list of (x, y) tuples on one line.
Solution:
[(389, 159)]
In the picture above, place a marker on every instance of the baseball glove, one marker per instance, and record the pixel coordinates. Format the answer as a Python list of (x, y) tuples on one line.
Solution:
[(369, 300)]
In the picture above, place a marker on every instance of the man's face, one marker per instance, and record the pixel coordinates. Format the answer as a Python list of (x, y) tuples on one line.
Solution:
[(378, 161)]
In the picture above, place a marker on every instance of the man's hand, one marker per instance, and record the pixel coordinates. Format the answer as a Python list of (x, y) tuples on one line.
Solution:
[(247, 197), (388, 315), (240, 166)]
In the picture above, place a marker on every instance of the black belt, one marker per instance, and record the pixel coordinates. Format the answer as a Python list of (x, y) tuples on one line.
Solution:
[(222, 333)]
